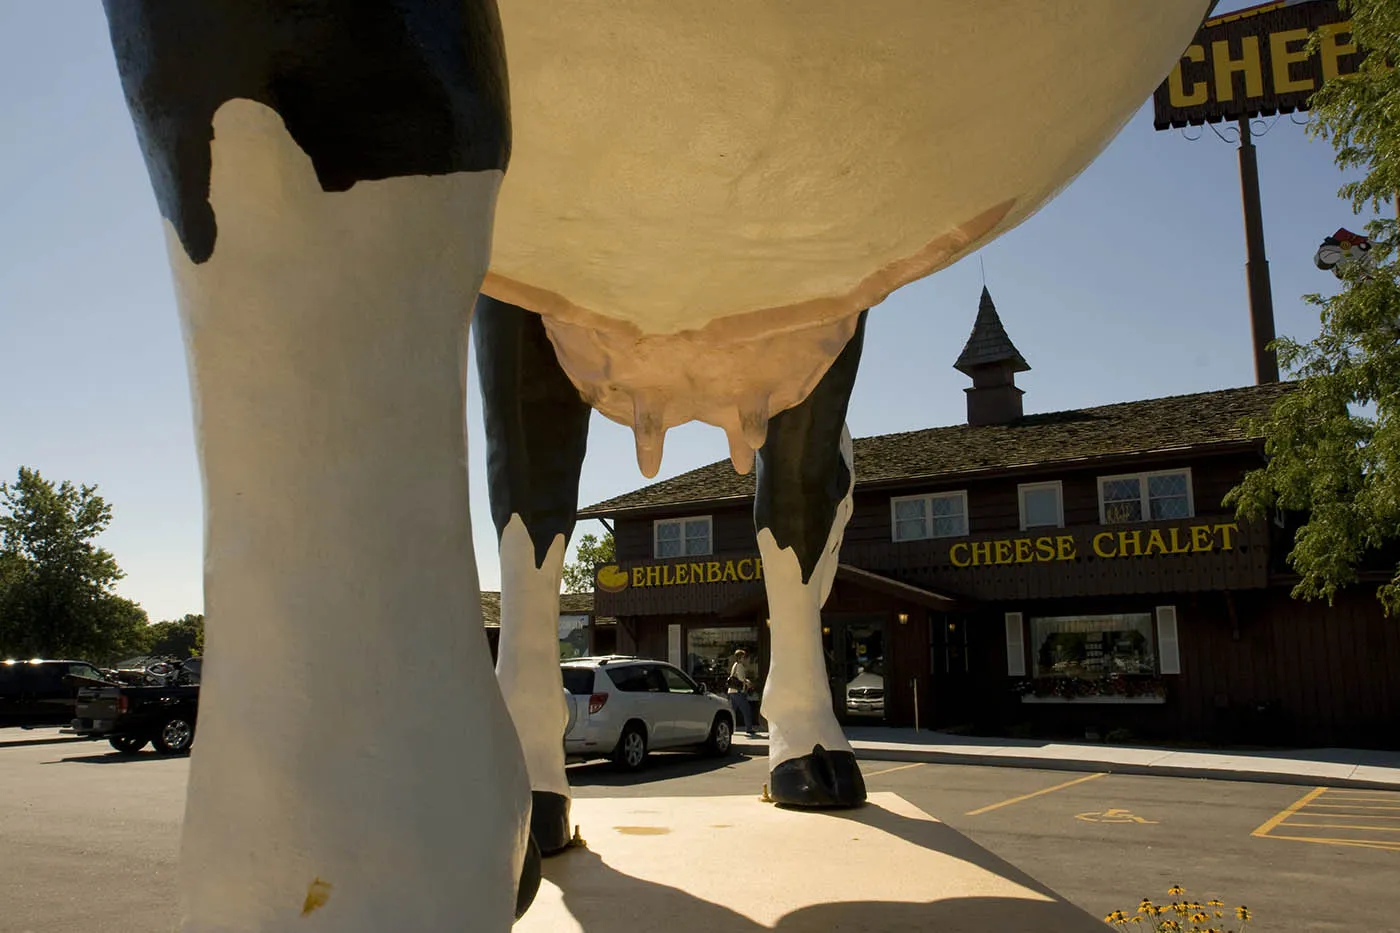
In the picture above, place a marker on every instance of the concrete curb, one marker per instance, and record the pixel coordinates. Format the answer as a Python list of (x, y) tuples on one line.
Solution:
[(1106, 767)]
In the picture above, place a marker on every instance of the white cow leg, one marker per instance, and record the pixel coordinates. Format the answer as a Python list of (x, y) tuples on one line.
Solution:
[(356, 769), (536, 432), (803, 502), (527, 665)]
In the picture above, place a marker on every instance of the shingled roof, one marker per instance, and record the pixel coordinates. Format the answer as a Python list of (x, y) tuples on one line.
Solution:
[(988, 342), (1205, 419), (569, 604)]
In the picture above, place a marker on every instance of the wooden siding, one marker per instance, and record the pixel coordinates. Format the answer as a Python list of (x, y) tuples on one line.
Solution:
[(1272, 671), (731, 528)]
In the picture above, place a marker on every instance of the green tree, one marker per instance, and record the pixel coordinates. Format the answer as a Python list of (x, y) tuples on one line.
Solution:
[(178, 638), (591, 551), (56, 585), (1333, 444)]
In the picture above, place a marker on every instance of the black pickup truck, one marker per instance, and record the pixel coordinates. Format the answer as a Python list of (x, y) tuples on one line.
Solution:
[(162, 710)]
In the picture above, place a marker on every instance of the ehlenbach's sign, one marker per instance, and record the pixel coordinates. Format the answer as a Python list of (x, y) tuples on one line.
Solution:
[(1255, 62), (614, 579)]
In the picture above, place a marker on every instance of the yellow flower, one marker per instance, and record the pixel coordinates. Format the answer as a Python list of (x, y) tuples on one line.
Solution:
[(1175, 890), (1199, 918), (1215, 902), (1241, 913)]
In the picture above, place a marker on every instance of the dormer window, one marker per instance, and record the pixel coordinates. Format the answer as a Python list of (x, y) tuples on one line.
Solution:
[(938, 515), (683, 537)]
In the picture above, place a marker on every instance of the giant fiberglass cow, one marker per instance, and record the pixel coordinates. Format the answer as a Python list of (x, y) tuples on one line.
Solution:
[(703, 199)]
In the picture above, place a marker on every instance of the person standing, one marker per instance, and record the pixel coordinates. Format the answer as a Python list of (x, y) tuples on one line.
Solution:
[(739, 684)]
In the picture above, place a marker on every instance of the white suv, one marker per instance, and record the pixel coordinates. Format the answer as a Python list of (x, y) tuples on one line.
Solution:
[(623, 707)]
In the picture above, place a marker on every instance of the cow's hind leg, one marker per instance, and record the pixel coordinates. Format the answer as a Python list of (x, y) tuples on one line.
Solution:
[(536, 432), (805, 477)]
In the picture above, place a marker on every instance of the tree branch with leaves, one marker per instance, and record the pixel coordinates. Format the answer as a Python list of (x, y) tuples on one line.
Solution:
[(1333, 444)]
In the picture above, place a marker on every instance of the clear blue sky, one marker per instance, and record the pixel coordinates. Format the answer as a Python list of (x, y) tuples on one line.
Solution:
[(1130, 285)]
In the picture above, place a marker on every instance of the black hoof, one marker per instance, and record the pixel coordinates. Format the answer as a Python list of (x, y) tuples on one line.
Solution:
[(823, 779), (529, 879), (549, 822)]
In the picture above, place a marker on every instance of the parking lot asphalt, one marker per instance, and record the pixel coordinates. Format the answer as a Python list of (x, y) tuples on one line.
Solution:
[(88, 838)]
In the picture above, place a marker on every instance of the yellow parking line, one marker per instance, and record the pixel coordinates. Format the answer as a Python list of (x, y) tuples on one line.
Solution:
[(1340, 795), (1007, 803), (1358, 806), (1293, 808), (916, 764), (1356, 843), (1374, 829)]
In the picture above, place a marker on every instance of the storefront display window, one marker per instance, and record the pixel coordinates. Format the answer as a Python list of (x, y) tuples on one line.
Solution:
[(1093, 646), (710, 652), (1102, 658)]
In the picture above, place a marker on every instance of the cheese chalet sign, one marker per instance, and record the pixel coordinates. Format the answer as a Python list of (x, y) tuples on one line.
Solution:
[(1256, 62)]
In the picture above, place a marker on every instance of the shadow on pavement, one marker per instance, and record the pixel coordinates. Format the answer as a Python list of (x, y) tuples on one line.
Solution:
[(604, 900), (113, 758), (660, 766), (46, 740)]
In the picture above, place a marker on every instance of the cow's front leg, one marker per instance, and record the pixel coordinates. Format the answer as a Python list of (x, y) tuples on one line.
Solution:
[(803, 501), (355, 768), (536, 433)]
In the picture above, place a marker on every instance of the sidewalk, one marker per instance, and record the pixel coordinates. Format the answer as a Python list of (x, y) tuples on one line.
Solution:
[(1316, 767)]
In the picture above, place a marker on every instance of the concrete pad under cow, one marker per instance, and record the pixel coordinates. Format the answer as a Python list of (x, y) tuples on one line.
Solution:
[(683, 864)]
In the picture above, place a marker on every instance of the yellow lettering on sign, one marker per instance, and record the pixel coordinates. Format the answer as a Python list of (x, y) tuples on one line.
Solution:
[(639, 576), (1179, 547), (712, 572), (1225, 68), (1155, 539), (1224, 532), (730, 576), (1024, 552), (1283, 59), (758, 568), (953, 557), (1176, 90), (1044, 549), (697, 573), (1201, 539), (1064, 548), (746, 569), (981, 553), (1124, 538), (1102, 541), (653, 576), (1003, 549), (1331, 50), (682, 574)]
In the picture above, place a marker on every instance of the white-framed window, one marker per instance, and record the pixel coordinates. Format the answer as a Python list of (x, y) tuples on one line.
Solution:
[(938, 515), (1145, 497), (1093, 646), (682, 537), (1042, 505)]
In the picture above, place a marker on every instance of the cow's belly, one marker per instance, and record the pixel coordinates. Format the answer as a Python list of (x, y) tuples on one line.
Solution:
[(675, 164)]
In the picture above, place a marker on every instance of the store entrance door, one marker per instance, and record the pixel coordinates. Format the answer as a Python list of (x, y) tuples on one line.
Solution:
[(856, 667), (952, 670)]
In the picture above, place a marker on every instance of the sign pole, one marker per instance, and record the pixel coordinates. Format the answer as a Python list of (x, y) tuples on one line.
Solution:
[(1256, 266)]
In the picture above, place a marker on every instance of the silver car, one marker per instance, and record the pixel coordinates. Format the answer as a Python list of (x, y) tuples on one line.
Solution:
[(623, 707)]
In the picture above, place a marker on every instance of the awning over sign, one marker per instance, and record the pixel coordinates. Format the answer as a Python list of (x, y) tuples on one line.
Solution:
[(890, 587)]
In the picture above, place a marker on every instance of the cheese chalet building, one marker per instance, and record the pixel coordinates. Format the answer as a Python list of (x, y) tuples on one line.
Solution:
[(1045, 574)]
